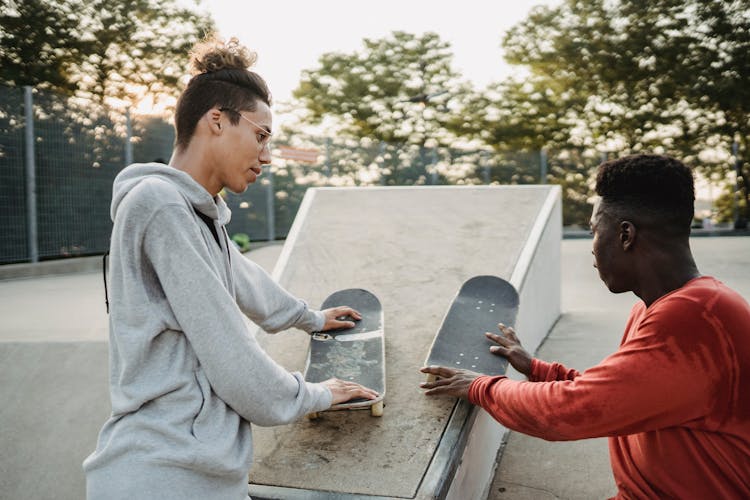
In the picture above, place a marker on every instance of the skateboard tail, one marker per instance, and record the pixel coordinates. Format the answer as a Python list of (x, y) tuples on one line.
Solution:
[(480, 304)]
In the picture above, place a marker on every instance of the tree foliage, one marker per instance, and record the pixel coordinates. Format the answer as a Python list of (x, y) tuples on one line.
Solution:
[(102, 48), (396, 89), (38, 44), (626, 76)]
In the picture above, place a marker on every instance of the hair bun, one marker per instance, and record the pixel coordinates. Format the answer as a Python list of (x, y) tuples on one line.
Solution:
[(214, 54)]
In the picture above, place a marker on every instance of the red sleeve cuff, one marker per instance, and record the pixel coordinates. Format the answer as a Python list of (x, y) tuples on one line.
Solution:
[(539, 370), (481, 386)]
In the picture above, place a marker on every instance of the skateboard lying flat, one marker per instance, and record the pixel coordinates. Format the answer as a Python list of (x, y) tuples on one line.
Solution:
[(481, 303), (354, 354)]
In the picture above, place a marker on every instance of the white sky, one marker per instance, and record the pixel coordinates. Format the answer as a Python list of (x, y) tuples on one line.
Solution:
[(290, 35)]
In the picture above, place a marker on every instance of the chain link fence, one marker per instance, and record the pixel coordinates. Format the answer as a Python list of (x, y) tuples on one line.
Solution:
[(59, 156), (13, 211)]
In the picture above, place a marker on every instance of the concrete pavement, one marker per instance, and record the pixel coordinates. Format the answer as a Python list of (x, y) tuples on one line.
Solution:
[(53, 376)]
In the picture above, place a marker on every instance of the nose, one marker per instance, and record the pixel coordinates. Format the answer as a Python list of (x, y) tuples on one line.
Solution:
[(265, 155)]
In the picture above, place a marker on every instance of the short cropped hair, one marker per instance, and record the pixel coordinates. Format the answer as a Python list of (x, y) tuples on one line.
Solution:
[(220, 78), (652, 191)]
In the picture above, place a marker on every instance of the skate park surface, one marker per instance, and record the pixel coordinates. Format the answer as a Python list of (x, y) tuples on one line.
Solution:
[(53, 364), (413, 248)]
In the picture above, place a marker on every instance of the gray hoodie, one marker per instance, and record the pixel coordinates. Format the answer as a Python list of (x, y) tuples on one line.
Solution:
[(186, 376)]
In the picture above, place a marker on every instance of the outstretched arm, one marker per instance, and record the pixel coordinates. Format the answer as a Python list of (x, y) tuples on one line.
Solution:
[(456, 382)]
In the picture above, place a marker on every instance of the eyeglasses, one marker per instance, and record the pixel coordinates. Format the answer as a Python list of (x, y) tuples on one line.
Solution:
[(263, 136)]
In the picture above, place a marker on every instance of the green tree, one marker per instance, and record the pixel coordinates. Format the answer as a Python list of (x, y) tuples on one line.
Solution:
[(396, 89), (607, 63), (719, 81), (519, 119), (39, 43), (626, 76), (399, 100), (102, 48)]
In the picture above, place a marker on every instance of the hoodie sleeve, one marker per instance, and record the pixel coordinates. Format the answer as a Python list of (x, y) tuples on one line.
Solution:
[(268, 304), (238, 369)]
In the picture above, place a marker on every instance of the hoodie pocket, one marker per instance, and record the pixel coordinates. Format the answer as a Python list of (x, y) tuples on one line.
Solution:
[(223, 439), (202, 417)]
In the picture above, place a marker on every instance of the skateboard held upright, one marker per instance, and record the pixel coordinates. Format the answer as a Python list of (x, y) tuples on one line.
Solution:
[(480, 304), (356, 354)]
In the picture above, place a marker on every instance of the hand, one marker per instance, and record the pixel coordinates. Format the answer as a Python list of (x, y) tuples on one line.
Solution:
[(510, 347), (343, 391), (451, 382), (336, 318)]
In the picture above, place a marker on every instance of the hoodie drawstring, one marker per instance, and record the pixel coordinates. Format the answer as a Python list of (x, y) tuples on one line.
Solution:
[(228, 261), (104, 273)]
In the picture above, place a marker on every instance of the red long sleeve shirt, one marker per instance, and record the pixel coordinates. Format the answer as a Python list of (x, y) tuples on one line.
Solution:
[(674, 399)]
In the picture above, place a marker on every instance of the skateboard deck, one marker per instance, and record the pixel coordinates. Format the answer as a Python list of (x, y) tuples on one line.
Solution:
[(480, 304), (355, 354)]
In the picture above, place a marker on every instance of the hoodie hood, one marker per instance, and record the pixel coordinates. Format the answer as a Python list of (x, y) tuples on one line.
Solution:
[(193, 192)]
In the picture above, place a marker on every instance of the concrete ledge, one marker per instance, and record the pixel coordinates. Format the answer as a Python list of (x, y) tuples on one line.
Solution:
[(412, 247), (435, 484)]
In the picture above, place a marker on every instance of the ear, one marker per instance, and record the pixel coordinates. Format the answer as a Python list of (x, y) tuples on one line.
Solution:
[(628, 233), (213, 119)]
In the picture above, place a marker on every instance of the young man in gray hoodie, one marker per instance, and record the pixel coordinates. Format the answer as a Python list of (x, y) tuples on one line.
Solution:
[(187, 378)]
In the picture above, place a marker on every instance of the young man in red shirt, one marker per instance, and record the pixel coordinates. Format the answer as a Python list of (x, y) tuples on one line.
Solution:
[(674, 399)]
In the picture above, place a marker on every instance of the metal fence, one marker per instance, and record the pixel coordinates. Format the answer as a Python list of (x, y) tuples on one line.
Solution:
[(60, 155)]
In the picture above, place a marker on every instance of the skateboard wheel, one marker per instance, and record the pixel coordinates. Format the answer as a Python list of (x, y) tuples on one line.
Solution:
[(376, 410), (313, 416), (431, 378)]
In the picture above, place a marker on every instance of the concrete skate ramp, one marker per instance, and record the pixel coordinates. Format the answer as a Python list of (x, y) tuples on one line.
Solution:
[(413, 248)]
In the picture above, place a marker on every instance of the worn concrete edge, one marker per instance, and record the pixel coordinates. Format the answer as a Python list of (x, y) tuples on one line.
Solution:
[(523, 264), (263, 492), (434, 483), (291, 238), (446, 460)]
